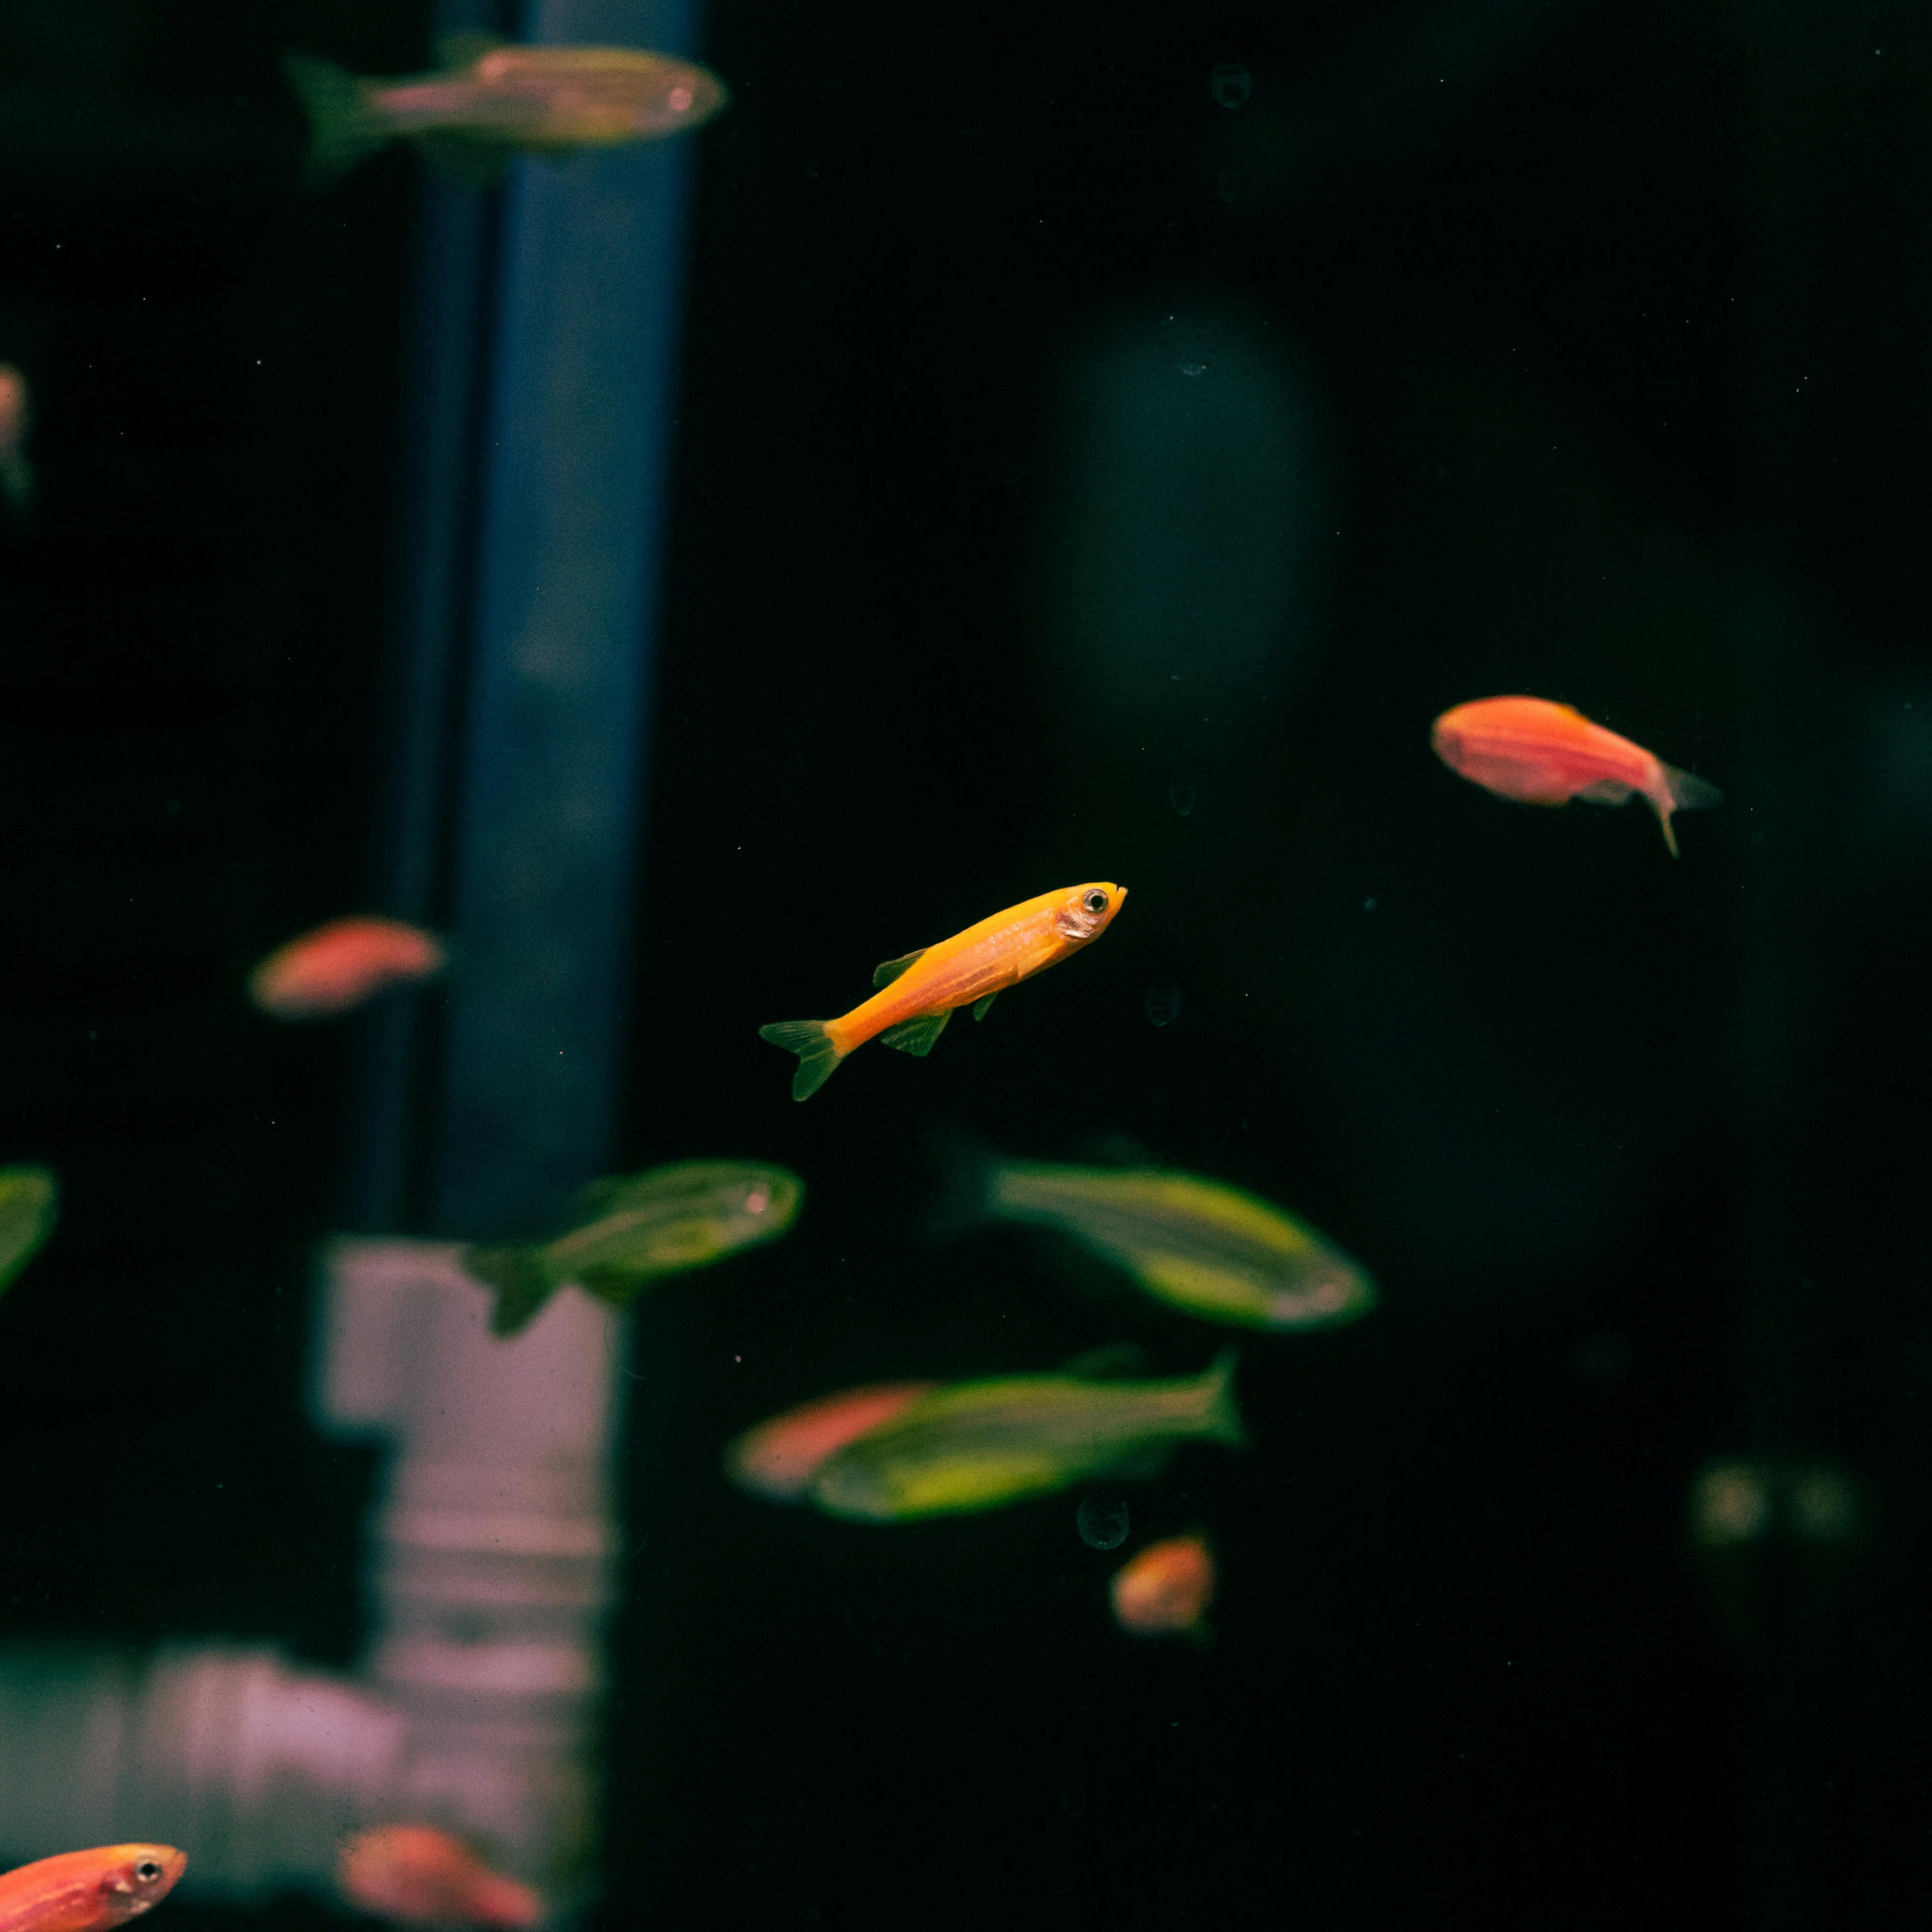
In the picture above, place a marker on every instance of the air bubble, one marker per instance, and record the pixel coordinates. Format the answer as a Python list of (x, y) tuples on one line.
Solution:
[(1181, 797), (1163, 1005), (1230, 84), (1101, 1520)]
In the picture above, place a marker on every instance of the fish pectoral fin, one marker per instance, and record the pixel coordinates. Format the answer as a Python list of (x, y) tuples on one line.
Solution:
[(981, 1008), (465, 49), (1605, 791), (916, 1035), (884, 975), (619, 1286)]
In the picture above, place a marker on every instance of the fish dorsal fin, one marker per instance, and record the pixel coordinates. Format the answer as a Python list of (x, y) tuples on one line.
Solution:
[(884, 975), (1605, 791), (597, 1198), (982, 1008), (463, 50), (916, 1035), (1110, 1361), (1115, 1149)]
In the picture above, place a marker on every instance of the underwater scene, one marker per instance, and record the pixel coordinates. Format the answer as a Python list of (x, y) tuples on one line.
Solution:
[(1300, 630)]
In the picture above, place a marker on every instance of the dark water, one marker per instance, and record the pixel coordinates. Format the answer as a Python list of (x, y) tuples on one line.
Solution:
[(1106, 436)]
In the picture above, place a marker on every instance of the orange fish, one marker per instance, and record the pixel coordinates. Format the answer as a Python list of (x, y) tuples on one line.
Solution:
[(417, 1875), (779, 1458), (1544, 754), (1165, 1590), (88, 1892), (970, 969), (339, 965)]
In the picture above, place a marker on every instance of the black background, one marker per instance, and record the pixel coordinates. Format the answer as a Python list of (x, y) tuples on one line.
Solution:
[(1618, 319)]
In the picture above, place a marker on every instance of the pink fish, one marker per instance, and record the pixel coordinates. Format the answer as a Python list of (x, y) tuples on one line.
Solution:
[(418, 1875), (779, 1458), (339, 965), (1164, 1591), (88, 1892), (1529, 749)]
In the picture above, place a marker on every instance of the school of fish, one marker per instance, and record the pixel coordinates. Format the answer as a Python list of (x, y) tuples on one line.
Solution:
[(891, 1452)]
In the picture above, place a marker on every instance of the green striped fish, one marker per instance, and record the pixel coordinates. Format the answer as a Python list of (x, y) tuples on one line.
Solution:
[(978, 1445), (632, 1230), (1219, 1253)]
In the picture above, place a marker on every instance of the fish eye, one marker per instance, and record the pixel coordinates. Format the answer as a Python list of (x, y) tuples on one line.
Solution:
[(758, 1200), (680, 99), (1096, 902), (147, 1871)]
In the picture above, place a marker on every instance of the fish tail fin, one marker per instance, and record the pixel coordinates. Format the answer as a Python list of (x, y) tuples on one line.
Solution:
[(345, 128), (522, 1283), (817, 1058), (1222, 1422), (968, 1169), (1683, 791)]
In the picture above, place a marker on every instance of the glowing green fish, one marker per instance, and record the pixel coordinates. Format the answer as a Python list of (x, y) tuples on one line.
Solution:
[(627, 1232), (29, 1205), (1203, 1246), (978, 1445)]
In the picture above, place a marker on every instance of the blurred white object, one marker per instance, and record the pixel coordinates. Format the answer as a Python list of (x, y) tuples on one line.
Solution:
[(492, 1574)]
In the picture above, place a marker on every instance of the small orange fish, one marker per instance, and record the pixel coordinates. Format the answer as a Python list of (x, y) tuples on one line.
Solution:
[(339, 965), (1544, 754), (417, 1875), (88, 1892), (970, 969), (779, 1458), (1165, 1590)]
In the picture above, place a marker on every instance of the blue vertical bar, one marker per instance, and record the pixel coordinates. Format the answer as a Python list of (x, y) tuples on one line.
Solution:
[(457, 227), (568, 540)]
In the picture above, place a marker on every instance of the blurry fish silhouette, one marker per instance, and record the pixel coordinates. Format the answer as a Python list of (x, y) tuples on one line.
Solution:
[(970, 969), (630, 1231), (29, 1205), (1781, 1548), (779, 1458), (16, 421), (1539, 753), (417, 1875), (339, 965), (979, 1445), (1165, 1590), (88, 1892), (1199, 1244), (490, 101)]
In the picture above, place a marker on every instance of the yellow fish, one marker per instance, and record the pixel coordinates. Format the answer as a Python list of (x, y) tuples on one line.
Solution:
[(1203, 1246), (978, 1445), (970, 969)]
